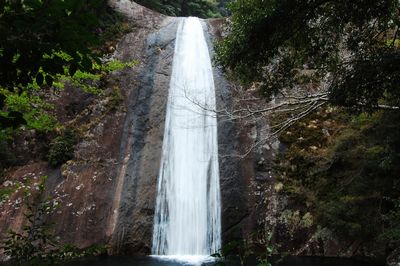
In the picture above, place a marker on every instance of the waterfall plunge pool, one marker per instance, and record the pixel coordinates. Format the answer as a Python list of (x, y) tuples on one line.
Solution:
[(170, 261)]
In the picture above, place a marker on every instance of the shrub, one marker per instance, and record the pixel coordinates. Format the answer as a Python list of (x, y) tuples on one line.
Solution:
[(62, 148)]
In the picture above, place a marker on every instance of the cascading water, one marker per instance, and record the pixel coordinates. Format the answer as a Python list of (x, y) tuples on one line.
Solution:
[(187, 219)]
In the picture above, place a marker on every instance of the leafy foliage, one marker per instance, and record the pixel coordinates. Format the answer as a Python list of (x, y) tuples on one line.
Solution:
[(198, 8), (41, 40), (62, 148), (91, 81), (37, 31), (342, 168), (352, 45), (31, 109)]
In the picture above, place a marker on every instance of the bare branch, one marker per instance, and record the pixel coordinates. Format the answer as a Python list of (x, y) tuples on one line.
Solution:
[(295, 107)]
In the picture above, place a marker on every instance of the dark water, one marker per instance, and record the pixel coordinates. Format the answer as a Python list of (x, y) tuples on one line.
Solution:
[(288, 261)]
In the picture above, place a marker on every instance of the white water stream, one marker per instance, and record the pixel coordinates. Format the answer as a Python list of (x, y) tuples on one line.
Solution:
[(187, 220)]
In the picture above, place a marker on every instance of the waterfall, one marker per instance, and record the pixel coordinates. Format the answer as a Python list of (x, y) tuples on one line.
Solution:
[(187, 218)]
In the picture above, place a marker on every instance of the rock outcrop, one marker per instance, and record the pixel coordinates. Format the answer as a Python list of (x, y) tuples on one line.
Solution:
[(106, 194), (99, 193)]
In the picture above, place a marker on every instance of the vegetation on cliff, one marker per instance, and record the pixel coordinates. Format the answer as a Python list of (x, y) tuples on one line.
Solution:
[(46, 45), (340, 167), (344, 170), (353, 47), (36, 244), (333, 67), (41, 39)]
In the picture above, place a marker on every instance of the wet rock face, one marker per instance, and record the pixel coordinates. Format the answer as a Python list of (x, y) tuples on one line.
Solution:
[(235, 211), (119, 147), (142, 143), (12, 208), (136, 185), (111, 182), (107, 193)]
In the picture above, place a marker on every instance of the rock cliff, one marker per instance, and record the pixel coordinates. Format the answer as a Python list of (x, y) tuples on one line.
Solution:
[(106, 193)]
